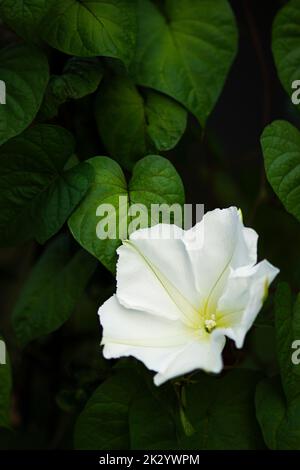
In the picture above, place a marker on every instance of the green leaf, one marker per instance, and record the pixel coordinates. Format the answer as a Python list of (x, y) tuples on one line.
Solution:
[(89, 28), (37, 193), (185, 49), (128, 412), (166, 120), (52, 291), (80, 77), (154, 181), (151, 424), (25, 87), (103, 424), (24, 16), (133, 122), (278, 401), (221, 410), (281, 148), (5, 386), (286, 44), (287, 318), (270, 410), (108, 186)]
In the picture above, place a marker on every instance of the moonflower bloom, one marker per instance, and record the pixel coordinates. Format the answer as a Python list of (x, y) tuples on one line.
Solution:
[(177, 299)]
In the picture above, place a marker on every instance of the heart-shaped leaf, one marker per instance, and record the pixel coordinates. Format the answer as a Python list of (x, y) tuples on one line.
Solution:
[(92, 27), (154, 181), (281, 148), (133, 122), (38, 193), (185, 49)]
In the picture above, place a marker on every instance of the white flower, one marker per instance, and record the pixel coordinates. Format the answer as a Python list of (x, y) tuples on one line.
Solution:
[(177, 299)]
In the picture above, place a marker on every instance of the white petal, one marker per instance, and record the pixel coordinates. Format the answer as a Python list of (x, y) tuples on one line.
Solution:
[(222, 242), (154, 274), (243, 298), (165, 346), (149, 338), (205, 355)]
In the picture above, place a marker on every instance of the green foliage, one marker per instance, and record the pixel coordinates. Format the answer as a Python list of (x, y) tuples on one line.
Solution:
[(107, 410), (221, 410), (134, 414), (151, 422), (134, 122), (92, 28), (286, 44), (154, 181), (52, 291), (281, 148), (278, 400), (131, 413), (80, 77), (38, 192), (121, 78), (24, 16), (176, 49), (25, 87)]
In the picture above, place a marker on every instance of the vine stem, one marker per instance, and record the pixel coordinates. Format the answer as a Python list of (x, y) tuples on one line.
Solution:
[(187, 427)]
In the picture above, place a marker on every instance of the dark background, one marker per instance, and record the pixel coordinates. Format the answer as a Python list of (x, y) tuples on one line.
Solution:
[(220, 166)]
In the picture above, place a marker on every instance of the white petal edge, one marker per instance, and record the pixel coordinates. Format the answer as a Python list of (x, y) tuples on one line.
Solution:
[(205, 355), (165, 346), (216, 244), (243, 298), (147, 337)]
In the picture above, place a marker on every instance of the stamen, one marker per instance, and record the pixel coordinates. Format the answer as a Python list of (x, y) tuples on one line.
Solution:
[(210, 324)]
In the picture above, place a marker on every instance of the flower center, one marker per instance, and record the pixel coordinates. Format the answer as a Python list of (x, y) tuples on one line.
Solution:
[(210, 324)]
